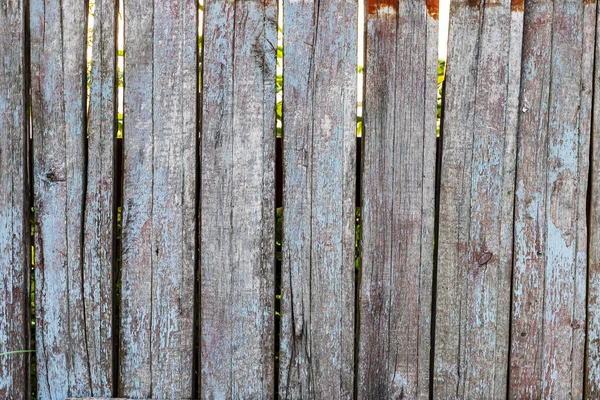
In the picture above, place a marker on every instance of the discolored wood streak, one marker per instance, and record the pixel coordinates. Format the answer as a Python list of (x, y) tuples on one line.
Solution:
[(237, 200), (14, 205), (476, 202), (99, 221), (398, 204), (317, 333), (58, 65), (159, 192), (547, 348)]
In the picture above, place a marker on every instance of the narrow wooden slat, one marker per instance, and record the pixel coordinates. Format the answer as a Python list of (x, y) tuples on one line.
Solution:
[(592, 373), (159, 191), (14, 205), (237, 199), (398, 199), (476, 201), (582, 283), (58, 66), (319, 111), (550, 233), (99, 224)]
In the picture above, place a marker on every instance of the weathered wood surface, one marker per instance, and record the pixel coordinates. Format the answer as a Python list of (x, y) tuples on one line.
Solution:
[(476, 201), (58, 68), (319, 110), (398, 200), (238, 200), (99, 212), (159, 196), (15, 241), (549, 283), (592, 382)]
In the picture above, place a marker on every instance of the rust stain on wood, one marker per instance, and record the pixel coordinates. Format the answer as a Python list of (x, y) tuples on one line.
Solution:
[(389, 7), (517, 5), (433, 8)]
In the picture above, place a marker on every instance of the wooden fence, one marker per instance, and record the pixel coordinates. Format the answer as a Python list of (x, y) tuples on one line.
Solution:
[(463, 266)]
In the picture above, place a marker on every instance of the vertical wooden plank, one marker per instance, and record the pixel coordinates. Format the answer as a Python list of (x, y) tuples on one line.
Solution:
[(14, 205), (159, 191), (237, 199), (319, 113), (580, 312), (476, 201), (58, 63), (592, 373), (550, 236), (398, 199), (99, 224)]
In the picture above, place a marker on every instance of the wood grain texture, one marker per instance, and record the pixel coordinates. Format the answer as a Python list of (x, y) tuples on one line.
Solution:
[(397, 201), (15, 240), (238, 199), (592, 378), (99, 221), (319, 113), (476, 201), (58, 67), (159, 195), (549, 318)]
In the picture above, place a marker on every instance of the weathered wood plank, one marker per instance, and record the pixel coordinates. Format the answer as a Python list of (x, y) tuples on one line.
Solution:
[(238, 199), (398, 199), (319, 111), (58, 66), (99, 223), (592, 382), (15, 240), (159, 192), (550, 233), (476, 201)]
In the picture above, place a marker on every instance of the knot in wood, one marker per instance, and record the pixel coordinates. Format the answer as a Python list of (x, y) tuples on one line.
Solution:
[(484, 258)]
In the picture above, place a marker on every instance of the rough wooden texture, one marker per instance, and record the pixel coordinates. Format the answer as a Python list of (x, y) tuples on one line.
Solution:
[(58, 67), (159, 195), (319, 112), (100, 223), (238, 199), (592, 383), (476, 201), (550, 233), (14, 205), (397, 200)]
